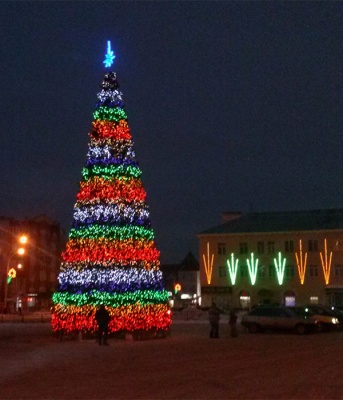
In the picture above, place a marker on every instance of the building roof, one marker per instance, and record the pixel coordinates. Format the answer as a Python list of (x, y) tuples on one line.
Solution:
[(286, 221), (190, 263)]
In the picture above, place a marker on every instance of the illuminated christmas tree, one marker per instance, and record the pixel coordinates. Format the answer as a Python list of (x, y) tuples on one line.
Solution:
[(110, 256)]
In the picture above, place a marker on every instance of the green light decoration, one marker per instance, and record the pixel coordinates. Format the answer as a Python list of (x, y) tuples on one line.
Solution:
[(232, 268), (111, 171), (112, 232), (280, 265), (252, 267), (96, 298), (109, 114)]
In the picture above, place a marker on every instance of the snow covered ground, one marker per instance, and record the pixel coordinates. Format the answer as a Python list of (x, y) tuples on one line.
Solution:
[(186, 365)]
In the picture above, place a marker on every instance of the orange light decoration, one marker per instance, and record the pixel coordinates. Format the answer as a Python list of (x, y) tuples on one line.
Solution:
[(110, 257), (301, 263), (12, 273), (208, 264), (177, 287), (326, 264)]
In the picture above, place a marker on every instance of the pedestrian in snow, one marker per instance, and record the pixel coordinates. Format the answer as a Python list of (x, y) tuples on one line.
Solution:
[(214, 317), (232, 323), (102, 317)]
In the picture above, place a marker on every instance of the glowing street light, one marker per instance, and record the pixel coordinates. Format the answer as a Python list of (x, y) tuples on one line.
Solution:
[(23, 239)]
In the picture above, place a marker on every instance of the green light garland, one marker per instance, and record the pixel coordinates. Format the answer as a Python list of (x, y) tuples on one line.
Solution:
[(111, 171), (97, 298), (112, 232), (111, 114)]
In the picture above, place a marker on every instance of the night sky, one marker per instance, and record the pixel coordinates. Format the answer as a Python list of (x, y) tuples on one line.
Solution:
[(233, 106)]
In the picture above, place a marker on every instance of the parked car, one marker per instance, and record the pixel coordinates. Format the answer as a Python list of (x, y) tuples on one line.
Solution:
[(326, 319), (325, 314), (280, 318)]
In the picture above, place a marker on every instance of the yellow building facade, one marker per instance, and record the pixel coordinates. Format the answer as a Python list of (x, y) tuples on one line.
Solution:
[(291, 258)]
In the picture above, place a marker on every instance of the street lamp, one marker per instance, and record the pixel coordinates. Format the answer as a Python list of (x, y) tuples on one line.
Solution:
[(20, 252)]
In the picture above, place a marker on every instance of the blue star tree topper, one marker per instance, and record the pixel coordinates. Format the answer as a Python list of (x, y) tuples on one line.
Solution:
[(109, 57)]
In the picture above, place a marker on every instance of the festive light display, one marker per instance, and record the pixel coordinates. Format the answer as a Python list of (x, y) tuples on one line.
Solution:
[(280, 268), (252, 267), (12, 273), (301, 263), (232, 268), (109, 55), (326, 264), (110, 257), (208, 264)]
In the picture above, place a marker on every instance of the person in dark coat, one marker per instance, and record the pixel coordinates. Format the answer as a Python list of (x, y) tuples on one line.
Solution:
[(214, 317), (102, 317), (232, 323)]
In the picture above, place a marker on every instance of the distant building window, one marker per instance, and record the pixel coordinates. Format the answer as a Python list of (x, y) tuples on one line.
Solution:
[(289, 301), (271, 247), (222, 272), (243, 248), (261, 272), (339, 270), (42, 275), (260, 247), (289, 271), (289, 246), (313, 269), (271, 271), (313, 245), (221, 248), (244, 271)]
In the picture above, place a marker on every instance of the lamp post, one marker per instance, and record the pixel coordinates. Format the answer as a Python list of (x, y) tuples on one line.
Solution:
[(20, 252)]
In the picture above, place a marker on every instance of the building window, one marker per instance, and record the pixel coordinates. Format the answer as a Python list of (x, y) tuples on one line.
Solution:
[(313, 245), (243, 248), (260, 247), (261, 272), (289, 246), (339, 270), (222, 272), (271, 271), (313, 269), (221, 248), (289, 271), (271, 247), (314, 300), (289, 301), (244, 271), (42, 275)]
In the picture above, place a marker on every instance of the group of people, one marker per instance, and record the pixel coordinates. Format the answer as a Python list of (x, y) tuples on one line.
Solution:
[(214, 317), (102, 317)]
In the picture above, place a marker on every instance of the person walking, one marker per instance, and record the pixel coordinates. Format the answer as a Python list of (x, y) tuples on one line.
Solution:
[(214, 317), (233, 323), (102, 317)]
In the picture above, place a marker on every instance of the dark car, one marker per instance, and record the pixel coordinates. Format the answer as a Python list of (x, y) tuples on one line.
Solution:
[(326, 319), (328, 312), (277, 318)]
